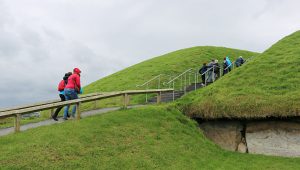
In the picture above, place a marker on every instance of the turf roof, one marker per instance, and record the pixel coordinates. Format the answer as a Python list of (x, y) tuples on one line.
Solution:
[(267, 86)]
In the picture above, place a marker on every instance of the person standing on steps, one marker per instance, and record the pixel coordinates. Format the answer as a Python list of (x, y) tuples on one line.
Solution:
[(202, 70), (210, 73), (226, 65), (72, 89), (239, 62), (229, 63), (61, 88), (216, 68)]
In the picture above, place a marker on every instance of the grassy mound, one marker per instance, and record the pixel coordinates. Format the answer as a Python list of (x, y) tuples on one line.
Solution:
[(266, 86), (127, 79), (143, 138), (169, 64)]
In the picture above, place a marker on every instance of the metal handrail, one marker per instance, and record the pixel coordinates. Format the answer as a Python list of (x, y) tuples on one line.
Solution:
[(228, 66), (147, 82), (207, 71), (175, 78), (154, 78)]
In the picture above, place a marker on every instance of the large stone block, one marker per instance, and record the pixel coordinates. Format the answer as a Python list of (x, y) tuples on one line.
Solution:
[(226, 134), (280, 138)]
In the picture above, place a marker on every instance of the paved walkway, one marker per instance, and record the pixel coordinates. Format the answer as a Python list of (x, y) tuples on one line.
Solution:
[(7, 131)]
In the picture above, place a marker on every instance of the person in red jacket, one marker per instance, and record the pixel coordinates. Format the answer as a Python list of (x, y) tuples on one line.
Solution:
[(61, 89), (71, 90)]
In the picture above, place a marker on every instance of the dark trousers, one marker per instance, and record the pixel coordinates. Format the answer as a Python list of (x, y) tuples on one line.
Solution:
[(62, 98), (203, 78)]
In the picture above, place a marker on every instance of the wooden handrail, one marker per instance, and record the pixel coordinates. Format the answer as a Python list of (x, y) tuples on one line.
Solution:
[(18, 111), (43, 103)]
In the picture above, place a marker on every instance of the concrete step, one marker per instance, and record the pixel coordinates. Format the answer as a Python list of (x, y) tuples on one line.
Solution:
[(192, 87), (165, 97)]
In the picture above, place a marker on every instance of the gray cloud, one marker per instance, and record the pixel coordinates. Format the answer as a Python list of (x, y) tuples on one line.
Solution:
[(41, 40)]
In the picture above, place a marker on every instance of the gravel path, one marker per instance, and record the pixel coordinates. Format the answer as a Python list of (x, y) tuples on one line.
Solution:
[(10, 130)]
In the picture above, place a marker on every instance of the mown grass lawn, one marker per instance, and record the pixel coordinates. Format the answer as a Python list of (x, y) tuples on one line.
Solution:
[(143, 138)]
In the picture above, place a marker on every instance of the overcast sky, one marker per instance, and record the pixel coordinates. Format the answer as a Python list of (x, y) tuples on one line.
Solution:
[(41, 40)]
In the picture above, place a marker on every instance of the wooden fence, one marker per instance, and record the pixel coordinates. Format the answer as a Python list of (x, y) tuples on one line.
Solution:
[(16, 112)]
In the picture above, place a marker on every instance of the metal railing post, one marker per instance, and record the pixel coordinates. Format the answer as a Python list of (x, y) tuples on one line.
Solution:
[(181, 83), (213, 74), (196, 80), (158, 87), (147, 93), (189, 78), (173, 90), (184, 83)]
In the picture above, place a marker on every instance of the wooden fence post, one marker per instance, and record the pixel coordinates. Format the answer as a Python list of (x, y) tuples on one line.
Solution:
[(78, 113), (126, 100), (17, 122), (51, 112), (158, 97), (95, 104)]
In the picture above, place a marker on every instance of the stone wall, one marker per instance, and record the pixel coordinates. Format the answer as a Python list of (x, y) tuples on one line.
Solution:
[(224, 133), (279, 138)]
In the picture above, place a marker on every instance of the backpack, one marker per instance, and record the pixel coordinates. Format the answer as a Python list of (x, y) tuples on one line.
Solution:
[(61, 85)]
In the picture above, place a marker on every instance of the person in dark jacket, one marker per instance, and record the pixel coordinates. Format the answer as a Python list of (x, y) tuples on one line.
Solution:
[(61, 89), (239, 62), (202, 70), (217, 68)]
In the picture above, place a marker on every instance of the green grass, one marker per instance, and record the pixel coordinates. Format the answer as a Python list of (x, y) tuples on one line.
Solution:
[(266, 86), (170, 64), (9, 122), (144, 138)]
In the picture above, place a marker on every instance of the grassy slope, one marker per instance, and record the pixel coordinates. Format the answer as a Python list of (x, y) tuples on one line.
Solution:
[(171, 64), (144, 138), (266, 86)]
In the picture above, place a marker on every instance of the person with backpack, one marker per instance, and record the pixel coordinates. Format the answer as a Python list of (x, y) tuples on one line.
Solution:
[(225, 67), (72, 89), (216, 68), (61, 89), (229, 63), (239, 62), (202, 70)]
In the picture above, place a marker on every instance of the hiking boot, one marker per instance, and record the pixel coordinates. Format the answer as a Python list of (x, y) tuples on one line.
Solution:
[(54, 118), (65, 118), (68, 115)]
